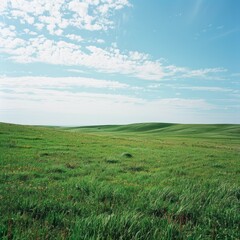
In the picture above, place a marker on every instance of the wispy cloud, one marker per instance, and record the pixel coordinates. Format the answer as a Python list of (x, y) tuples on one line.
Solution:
[(209, 89), (48, 96), (58, 89), (30, 99), (75, 70), (205, 73), (27, 82), (108, 60), (226, 33), (193, 88)]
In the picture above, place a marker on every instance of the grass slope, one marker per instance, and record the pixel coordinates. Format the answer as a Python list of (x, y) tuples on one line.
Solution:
[(167, 129), (139, 181)]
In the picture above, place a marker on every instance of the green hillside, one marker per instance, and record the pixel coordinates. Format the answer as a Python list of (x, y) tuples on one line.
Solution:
[(141, 181), (168, 129)]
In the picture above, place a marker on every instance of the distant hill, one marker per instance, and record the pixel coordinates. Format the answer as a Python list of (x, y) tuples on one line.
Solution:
[(204, 130)]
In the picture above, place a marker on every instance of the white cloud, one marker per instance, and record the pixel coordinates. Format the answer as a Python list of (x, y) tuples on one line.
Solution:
[(203, 73), (74, 37), (51, 107), (81, 8), (138, 56), (59, 89), (31, 82), (27, 31), (85, 14), (28, 96), (111, 60), (183, 72), (75, 70), (179, 103), (7, 31), (192, 88), (39, 26), (3, 6), (51, 15), (100, 41), (9, 41), (108, 60), (210, 89), (23, 16)]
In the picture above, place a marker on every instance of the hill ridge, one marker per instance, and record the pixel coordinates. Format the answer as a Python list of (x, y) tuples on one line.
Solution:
[(207, 130)]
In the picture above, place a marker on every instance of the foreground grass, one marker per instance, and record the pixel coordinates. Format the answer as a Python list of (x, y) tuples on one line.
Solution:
[(121, 182)]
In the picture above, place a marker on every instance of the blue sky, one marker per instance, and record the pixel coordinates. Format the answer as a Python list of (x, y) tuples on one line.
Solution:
[(84, 62)]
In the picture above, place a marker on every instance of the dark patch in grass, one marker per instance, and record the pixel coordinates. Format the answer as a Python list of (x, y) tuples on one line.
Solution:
[(181, 172), (36, 138), (30, 138), (127, 155), (112, 161), (71, 165), (159, 212), (37, 175), (136, 169), (10, 229), (184, 218), (236, 193), (56, 177), (56, 170), (170, 197), (44, 154), (23, 177), (84, 189), (178, 172)]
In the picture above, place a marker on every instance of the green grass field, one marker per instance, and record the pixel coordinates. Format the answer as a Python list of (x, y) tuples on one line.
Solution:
[(139, 181)]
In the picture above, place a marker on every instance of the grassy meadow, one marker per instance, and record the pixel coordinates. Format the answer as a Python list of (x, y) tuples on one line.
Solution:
[(140, 181)]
